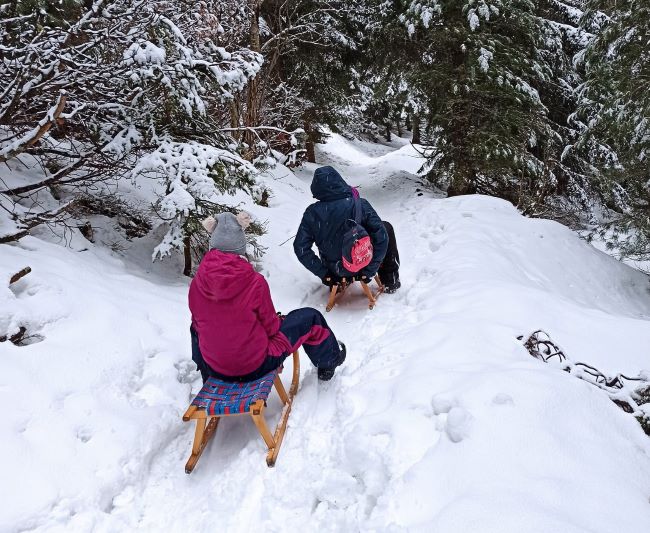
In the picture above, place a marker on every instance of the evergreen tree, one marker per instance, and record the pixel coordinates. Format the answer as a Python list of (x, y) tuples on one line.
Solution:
[(485, 68), (313, 48), (572, 197), (615, 115), (389, 66)]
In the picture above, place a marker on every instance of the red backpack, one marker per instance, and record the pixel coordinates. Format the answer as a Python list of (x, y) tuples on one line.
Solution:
[(357, 247)]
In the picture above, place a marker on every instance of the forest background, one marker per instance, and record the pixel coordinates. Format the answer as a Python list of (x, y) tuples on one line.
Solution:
[(543, 103)]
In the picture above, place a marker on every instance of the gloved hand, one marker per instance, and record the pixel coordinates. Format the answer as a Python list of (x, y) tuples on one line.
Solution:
[(365, 276), (330, 279)]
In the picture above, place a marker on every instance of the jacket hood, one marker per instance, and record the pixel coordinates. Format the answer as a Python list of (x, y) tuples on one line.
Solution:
[(223, 276), (328, 185)]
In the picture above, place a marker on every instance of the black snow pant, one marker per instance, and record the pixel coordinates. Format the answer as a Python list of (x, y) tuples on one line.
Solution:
[(304, 327), (389, 268)]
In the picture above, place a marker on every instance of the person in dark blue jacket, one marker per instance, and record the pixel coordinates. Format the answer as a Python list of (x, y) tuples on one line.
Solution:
[(324, 223)]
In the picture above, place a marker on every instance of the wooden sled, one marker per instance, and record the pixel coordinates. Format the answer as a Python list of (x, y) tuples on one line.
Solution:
[(338, 290), (218, 399)]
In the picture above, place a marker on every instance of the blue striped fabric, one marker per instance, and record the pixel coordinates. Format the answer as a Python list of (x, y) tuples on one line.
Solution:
[(224, 398)]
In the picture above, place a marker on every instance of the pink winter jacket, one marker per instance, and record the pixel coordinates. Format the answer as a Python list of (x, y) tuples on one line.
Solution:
[(233, 315)]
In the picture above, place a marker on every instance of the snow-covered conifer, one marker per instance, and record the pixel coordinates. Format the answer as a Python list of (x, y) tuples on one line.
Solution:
[(493, 73), (615, 116)]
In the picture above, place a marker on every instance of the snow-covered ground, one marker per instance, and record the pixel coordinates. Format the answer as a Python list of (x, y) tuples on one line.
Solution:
[(439, 421)]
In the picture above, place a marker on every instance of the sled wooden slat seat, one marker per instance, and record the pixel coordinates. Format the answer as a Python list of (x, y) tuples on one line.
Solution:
[(337, 291), (218, 399)]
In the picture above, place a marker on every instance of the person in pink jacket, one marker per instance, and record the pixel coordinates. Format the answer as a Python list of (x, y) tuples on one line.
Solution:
[(236, 333)]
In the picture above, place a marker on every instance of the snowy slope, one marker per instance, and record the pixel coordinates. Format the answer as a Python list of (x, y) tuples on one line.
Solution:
[(438, 421)]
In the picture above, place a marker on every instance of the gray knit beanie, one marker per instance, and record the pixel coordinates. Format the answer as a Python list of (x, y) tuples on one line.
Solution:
[(228, 236)]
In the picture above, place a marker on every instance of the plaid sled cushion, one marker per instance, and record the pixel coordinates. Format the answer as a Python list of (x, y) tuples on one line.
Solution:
[(224, 398)]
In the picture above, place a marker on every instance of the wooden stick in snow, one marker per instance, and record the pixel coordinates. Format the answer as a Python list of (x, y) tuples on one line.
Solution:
[(18, 275)]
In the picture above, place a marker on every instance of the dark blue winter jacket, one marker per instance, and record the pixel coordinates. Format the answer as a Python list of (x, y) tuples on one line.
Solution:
[(324, 224)]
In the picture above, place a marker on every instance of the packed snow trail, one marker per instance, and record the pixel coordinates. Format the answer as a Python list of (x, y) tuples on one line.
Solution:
[(439, 419)]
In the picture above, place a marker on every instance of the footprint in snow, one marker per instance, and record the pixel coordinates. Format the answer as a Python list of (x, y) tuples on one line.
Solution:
[(503, 399), (453, 420), (186, 371), (442, 404), (84, 434), (457, 425)]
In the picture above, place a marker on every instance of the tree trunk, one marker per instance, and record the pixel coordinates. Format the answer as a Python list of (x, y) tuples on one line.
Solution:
[(187, 254), (310, 145), (252, 99), (415, 125)]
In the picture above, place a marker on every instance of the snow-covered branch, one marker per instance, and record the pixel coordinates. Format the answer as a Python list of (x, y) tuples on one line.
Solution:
[(19, 145)]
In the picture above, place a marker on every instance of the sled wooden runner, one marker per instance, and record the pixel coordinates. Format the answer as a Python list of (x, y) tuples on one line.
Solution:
[(218, 399), (337, 291)]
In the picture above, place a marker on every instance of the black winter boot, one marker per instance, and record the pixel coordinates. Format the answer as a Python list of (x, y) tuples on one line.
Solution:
[(390, 281), (390, 289), (325, 374)]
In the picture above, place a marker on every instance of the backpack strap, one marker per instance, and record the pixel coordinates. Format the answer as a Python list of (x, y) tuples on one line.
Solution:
[(358, 210)]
